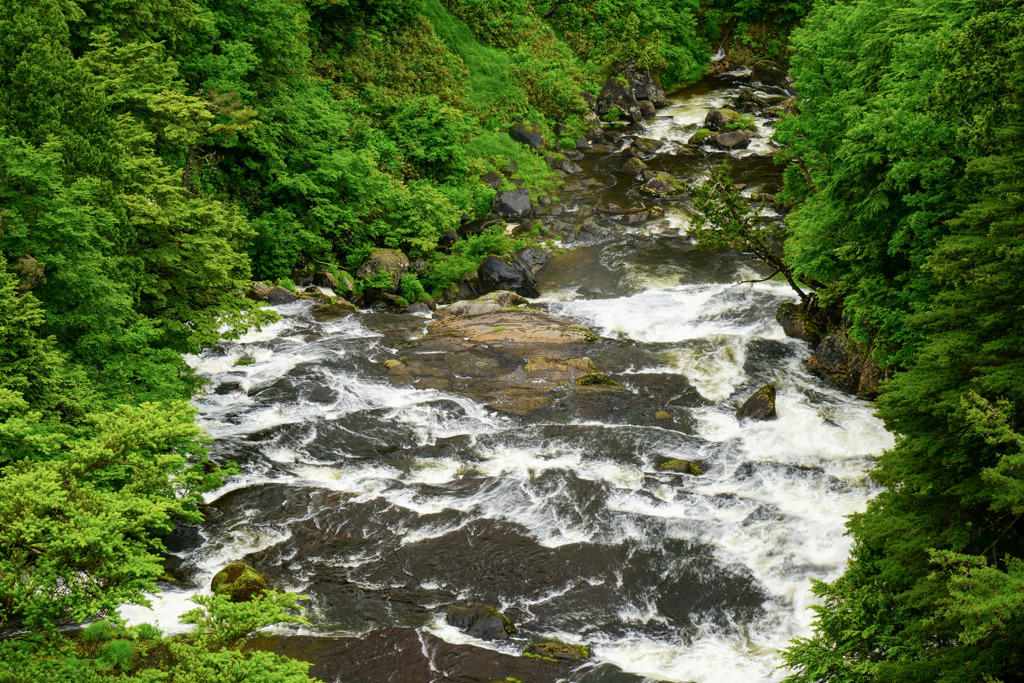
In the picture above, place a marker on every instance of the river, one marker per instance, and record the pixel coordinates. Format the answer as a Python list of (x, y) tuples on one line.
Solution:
[(385, 503)]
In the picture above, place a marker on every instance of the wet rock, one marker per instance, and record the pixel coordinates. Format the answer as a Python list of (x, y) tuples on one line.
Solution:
[(770, 73), (385, 267), (494, 301), (322, 278), (796, 323), (647, 108), (480, 621), (238, 581), (418, 309), (512, 203), (717, 119), (663, 185), (760, 406), (846, 363), (689, 151), (558, 652), (749, 102), (259, 291), (279, 296), (617, 94), (736, 139), (663, 415), (701, 137), (495, 273), (648, 145), (612, 137), (391, 363), (583, 145), (642, 84), (634, 166), (528, 134), (559, 162), (534, 258), (681, 466)]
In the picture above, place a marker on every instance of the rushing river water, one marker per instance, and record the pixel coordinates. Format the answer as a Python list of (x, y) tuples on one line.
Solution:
[(387, 503)]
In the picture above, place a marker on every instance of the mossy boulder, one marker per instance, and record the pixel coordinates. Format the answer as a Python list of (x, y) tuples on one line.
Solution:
[(384, 268), (797, 323), (718, 119), (558, 652), (238, 581), (760, 405), (480, 621), (701, 137), (596, 379), (634, 166), (662, 185), (647, 145), (682, 466)]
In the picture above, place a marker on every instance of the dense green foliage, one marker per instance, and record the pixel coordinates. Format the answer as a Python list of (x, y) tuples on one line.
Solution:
[(905, 159)]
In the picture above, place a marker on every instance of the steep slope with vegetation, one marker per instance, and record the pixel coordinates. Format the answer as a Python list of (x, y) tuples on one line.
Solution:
[(902, 161)]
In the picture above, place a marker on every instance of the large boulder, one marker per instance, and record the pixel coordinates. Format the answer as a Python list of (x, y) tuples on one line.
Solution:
[(734, 139), (616, 93), (643, 85), (717, 119), (495, 273), (386, 267), (846, 363), (681, 466), (760, 405), (238, 581), (634, 166), (528, 134), (258, 291), (279, 296), (770, 73), (480, 621), (512, 203), (648, 145), (749, 102), (322, 278), (702, 137), (797, 324)]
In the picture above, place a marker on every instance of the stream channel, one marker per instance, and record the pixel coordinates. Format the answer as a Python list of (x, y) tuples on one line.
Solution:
[(387, 501)]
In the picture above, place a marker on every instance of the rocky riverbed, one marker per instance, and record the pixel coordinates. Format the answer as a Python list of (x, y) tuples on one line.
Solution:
[(573, 460)]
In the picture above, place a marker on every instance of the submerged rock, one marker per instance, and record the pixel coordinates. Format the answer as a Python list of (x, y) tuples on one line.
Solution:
[(596, 379), (329, 312), (480, 621), (760, 406), (558, 652), (238, 581)]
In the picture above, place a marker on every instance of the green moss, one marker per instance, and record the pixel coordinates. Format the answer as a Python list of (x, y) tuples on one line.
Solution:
[(700, 137), (245, 360), (680, 465), (596, 379)]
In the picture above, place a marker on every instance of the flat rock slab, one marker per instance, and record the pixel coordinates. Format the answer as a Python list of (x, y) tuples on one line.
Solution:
[(406, 655)]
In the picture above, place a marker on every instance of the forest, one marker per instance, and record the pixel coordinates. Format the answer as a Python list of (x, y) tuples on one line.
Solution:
[(158, 157)]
